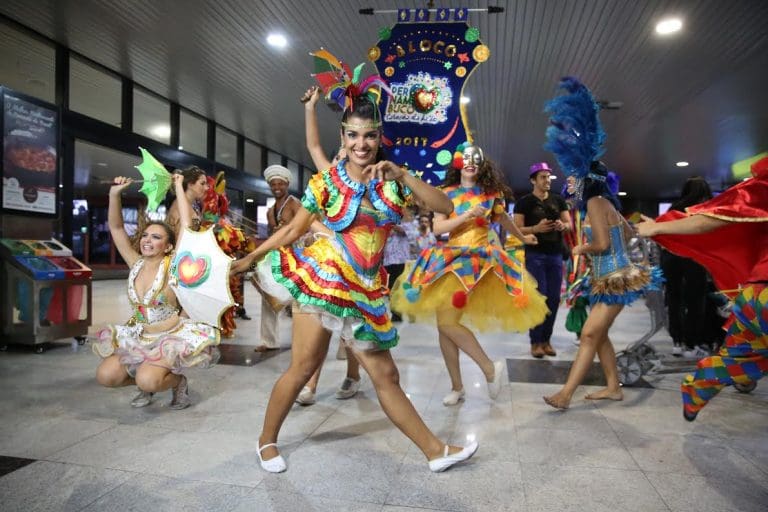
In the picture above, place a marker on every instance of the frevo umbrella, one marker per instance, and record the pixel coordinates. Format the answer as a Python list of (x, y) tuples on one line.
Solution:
[(200, 277), (157, 180)]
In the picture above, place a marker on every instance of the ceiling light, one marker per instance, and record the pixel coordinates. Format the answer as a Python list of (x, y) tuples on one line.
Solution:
[(464, 100), (682, 164), (181, 148), (249, 200), (102, 164), (277, 40), (622, 193), (161, 130), (669, 26)]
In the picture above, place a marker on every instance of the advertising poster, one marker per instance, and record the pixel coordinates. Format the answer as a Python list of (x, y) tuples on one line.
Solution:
[(30, 159)]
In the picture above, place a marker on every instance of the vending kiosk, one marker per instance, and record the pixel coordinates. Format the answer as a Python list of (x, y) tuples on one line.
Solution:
[(47, 293)]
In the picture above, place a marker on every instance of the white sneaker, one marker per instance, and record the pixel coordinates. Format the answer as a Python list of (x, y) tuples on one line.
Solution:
[(306, 397), (446, 461), (494, 387), (348, 388), (696, 353), (677, 350), (454, 397)]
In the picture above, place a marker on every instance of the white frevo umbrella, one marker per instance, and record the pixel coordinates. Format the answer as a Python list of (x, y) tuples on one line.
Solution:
[(200, 277)]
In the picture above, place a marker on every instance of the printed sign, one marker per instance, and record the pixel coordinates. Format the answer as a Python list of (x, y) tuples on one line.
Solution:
[(426, 64), (30, 155)]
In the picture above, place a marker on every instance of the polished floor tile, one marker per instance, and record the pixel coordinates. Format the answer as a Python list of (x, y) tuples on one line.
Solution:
[(94, 452)]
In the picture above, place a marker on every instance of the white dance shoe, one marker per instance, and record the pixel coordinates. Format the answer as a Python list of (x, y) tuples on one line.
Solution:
[(273, 465), (454, 397), (446, 461), (494, 387)]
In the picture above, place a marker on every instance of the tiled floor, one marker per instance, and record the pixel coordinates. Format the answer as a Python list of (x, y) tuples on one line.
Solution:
[(93, 452)]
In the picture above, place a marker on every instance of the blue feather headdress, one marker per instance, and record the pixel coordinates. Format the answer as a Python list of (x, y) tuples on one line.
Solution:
[(574, 135)]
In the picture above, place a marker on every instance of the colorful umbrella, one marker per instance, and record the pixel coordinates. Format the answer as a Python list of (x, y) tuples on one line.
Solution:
[(157, 180), (200, 277)]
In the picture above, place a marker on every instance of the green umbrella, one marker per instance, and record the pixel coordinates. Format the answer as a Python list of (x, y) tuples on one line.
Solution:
[(157, 180)]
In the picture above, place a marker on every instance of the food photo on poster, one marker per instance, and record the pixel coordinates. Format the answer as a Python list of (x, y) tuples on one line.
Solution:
[(30, 152)]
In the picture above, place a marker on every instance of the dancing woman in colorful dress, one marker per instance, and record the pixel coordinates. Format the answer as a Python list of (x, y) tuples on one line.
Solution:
[(471, 278), (338, 283)]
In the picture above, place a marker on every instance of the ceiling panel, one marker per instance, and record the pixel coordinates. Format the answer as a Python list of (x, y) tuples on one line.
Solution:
[(697, 96)]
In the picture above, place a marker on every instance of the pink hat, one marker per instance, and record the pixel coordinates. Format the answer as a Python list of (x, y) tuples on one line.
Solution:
[(541, 166)]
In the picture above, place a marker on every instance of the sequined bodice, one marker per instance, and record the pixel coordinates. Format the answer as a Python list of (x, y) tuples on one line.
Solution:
[(612, 259), (153, 307)]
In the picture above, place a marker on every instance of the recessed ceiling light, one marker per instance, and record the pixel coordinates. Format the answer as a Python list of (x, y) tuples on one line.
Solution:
[(249, 200), (277, 40), (669, 26), (622, 193), (682, 164), (161, 130), (181, 148), (102, 164), (464, 100)]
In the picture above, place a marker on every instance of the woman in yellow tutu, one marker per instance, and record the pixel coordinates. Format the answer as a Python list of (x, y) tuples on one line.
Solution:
[(471, 278)]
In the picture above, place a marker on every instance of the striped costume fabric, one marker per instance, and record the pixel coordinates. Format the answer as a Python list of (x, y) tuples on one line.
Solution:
[(343, 274), (742, 359)]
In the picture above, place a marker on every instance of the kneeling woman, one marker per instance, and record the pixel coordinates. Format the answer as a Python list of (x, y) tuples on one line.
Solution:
[(338, 283), (156, 344)]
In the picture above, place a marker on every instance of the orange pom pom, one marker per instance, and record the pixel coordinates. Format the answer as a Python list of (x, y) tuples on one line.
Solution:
[(522, 300), (459, 299)]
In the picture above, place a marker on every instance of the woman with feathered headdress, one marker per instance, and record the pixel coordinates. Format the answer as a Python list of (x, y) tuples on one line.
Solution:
[(337, 284), (576, 138)]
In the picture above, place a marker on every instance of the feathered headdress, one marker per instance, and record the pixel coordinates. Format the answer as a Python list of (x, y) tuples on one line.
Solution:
[(342, 86), (575, 135)]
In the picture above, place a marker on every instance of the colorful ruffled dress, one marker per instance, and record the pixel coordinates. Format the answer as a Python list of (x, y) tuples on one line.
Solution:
[(614, 279), (187, 344), (341, 277), (736, 255), (472, 273)]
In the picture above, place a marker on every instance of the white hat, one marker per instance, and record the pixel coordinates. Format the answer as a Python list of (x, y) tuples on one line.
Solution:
[(277, 172)]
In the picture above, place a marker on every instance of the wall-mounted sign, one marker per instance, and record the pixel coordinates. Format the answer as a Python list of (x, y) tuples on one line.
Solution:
[(30, 154)]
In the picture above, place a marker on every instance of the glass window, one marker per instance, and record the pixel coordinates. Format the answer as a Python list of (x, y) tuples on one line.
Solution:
[(252, 158), (94, 92), (151, 116), (226, 147), (294, 168), (274, 158), (193, 134), (28, 64)]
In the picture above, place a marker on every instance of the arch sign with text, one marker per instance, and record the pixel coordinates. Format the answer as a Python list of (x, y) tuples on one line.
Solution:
[(426, 64)]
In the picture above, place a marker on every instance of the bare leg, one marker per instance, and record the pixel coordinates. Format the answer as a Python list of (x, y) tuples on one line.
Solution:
[(607, 356), (452, 331), (398, 408), (315, 378), (353, 366), (154, 379), (593, 335), (112, 374), (309, 346)]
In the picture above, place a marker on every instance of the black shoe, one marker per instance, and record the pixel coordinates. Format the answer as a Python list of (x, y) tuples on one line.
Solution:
[(243, 316)]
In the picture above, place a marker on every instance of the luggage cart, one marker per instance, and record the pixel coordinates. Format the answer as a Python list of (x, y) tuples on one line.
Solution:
[(47, 291)]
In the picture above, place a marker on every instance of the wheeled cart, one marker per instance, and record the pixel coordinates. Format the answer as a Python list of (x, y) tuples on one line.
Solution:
[(46, 294)]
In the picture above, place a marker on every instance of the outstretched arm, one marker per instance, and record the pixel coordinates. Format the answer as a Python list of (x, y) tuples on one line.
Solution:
[(430, 197), (185, 209), (115, 221), (512, 227), (691, 225), (285, 236), (312, 134)]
